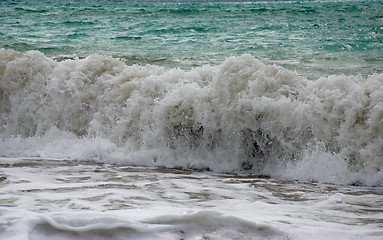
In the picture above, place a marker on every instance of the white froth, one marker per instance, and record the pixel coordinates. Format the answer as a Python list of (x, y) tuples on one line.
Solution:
[(55, 199), (242, 114)]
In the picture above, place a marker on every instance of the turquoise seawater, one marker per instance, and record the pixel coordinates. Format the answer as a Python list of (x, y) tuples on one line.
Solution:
[(314, 38)]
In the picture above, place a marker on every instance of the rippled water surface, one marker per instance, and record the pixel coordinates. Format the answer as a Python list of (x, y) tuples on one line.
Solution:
[(315, 38)]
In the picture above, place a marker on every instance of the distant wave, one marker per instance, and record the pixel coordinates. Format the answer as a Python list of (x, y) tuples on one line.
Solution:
[(240, 115)]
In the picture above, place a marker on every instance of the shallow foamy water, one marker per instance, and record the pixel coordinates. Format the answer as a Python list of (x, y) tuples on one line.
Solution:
[(62, 199)]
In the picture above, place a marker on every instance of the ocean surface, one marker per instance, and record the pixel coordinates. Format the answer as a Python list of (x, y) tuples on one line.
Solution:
[(191, 119)]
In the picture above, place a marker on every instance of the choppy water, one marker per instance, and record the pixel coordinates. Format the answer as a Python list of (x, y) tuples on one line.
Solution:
[(191, 120), (315, 38)]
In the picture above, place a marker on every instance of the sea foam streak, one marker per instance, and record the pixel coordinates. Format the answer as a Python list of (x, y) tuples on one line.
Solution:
[(240, 115), (211, 225)]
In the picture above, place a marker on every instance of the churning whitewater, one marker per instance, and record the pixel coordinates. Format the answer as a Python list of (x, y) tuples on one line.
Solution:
[(241, 115)]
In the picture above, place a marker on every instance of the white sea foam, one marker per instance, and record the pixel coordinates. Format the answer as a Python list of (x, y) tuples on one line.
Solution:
[(242, 114), (205, 224), (56, 199)]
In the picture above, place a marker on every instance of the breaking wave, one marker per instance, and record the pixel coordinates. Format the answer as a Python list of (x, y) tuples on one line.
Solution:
[(242, 115)]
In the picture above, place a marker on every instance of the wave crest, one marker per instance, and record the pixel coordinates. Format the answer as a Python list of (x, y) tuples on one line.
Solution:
[(242, 114)]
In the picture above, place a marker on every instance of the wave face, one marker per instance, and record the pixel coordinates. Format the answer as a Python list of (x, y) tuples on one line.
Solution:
[(240, 115)]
